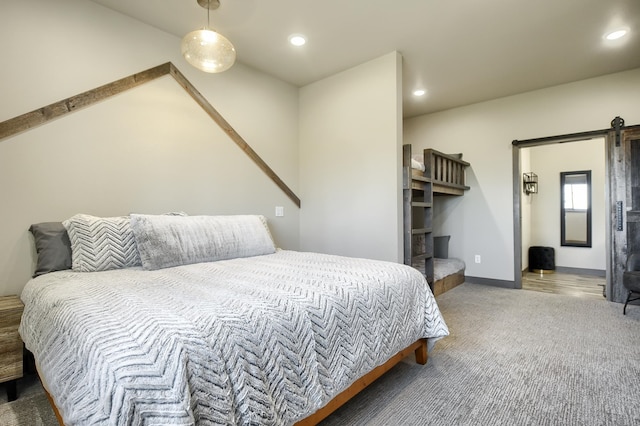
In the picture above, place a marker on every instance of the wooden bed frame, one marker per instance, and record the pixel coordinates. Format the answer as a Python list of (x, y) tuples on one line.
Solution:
[(447, 283), (419, 347), (446, 172)]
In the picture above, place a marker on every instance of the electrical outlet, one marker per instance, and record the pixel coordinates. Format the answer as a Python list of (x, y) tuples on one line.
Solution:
[(478, 258), (279, 211)]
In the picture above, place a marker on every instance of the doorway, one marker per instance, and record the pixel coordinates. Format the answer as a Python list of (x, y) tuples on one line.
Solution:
[(622, 204), (554, 217)]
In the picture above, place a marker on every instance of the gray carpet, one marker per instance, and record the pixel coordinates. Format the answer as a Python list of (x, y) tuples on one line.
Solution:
[(514, 357), (30, 409)]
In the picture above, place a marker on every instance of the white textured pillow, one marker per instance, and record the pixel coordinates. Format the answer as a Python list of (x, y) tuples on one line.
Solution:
[(166, 241), (101, 243)]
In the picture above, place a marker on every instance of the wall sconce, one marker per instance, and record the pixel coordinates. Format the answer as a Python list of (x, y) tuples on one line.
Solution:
[(530, 183)]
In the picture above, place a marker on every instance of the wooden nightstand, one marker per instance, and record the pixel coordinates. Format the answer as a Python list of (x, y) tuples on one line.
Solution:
[(10, 343)]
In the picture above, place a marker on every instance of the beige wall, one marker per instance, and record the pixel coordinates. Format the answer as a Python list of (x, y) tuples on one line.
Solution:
[(150, 150), (336, 142), (548, 161), (350, 163), (481, 222)]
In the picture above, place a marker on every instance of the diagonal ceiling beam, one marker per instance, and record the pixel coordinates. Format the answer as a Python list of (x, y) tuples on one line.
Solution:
[(40, 116), (55, 110)]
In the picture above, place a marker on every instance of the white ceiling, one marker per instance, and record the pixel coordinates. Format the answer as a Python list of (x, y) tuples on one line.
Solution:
[(460, 51)]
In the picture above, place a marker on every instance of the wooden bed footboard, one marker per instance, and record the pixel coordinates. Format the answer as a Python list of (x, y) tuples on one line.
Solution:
[(54, 407), (419, 347)]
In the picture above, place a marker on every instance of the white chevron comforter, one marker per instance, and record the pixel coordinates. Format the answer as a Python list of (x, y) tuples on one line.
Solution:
[(263, 340)]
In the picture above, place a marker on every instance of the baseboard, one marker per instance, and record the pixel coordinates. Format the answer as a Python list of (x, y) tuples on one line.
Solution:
[(577, 271), (491, 282), (581, 271)]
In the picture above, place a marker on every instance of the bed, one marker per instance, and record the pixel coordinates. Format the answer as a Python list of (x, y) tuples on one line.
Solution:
[(202, 320), (447, 274), (445, 171), (427, 175)]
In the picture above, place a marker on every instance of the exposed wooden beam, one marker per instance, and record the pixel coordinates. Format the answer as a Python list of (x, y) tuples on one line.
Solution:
[(230, 131), (55, 110)]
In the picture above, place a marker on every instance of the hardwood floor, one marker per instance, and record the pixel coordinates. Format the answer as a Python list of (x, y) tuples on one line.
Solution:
[(560, 283)]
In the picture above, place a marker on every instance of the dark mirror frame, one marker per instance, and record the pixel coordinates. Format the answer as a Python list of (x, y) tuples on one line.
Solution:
[(563, 240)]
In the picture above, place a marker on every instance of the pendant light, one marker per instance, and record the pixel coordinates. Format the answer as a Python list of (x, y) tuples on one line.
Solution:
[(206, 49)]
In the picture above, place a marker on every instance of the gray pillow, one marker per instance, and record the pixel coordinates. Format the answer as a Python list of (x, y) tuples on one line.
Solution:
[(101, 243), (166, 241), (53, 247)]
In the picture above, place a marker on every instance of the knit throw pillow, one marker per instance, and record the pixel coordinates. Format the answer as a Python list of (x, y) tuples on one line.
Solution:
[(101, 243)]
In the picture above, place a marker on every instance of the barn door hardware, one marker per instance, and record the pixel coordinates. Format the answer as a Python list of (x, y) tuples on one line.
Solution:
[(616, 124), (619, 226)]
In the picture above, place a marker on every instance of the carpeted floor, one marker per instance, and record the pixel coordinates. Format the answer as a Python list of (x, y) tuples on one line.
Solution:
[(30, 409), (514, 357)]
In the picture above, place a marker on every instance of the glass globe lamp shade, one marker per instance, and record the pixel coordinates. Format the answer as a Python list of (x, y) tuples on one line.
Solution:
[(208, 51)]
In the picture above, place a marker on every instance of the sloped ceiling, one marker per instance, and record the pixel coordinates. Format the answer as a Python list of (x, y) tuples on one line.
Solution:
[(461, 52)]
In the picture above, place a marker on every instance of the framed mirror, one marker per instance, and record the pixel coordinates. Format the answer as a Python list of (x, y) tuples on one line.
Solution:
[(575, 208)]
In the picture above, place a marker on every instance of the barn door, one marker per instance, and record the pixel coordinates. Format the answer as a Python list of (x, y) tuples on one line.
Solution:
[(624, 197)]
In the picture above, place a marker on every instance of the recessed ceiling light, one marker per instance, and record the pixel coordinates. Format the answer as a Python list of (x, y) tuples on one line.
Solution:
[(614, 35), (297, 39), (419, 92)]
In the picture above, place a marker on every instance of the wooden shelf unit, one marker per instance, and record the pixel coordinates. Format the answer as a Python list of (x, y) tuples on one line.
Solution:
[(444, 175), (418, 216)]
